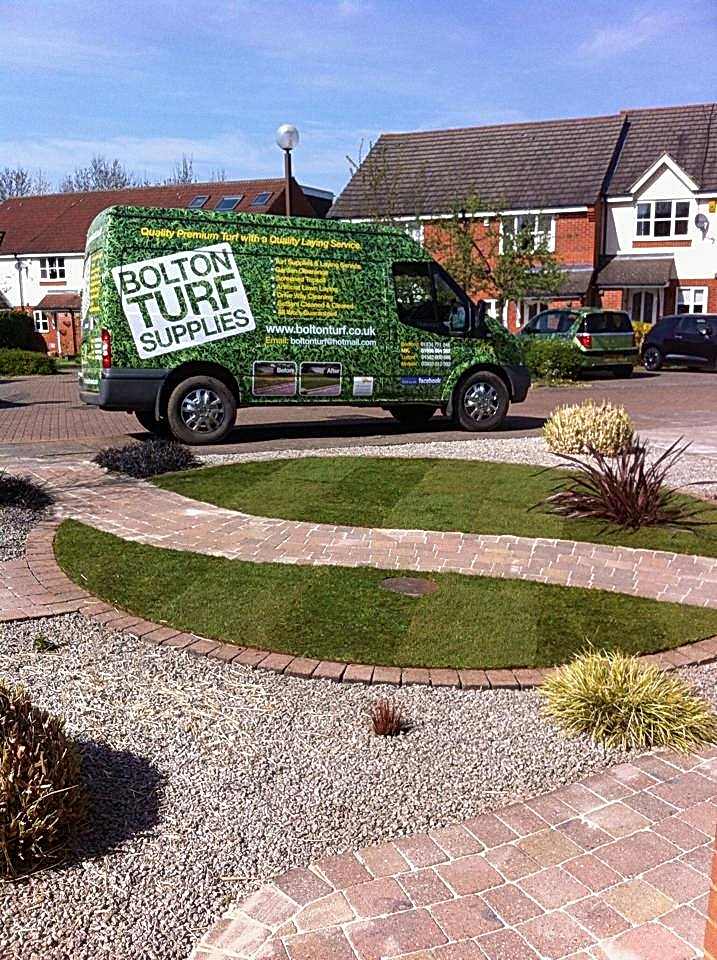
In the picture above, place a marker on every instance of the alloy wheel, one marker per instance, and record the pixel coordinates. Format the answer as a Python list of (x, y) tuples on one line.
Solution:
[(202, 410), (651, 358), (481, 401)]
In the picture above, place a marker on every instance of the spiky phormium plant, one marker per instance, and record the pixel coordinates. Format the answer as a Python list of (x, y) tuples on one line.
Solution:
[(629, 490)]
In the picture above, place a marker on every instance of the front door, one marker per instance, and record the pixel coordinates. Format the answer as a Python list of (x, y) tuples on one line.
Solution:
[(644, 306)]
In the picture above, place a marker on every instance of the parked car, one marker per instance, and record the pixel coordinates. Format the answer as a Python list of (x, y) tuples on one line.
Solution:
[(689, 339), (604, 337)]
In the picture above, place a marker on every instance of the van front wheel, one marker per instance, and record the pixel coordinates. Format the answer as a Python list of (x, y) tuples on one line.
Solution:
[(201, 410), (481, 401)]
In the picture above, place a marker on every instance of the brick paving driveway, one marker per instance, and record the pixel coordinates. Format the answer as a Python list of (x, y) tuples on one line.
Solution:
[(42, 415), (614, 868)]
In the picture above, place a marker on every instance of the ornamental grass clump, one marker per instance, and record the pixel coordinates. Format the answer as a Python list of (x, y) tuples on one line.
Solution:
[(41, 800), (587, 427), (147, 459), (628, 491), (618, 702), (387, 719)]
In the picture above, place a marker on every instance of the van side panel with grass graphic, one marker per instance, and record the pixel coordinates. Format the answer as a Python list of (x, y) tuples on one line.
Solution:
[(243, 309)]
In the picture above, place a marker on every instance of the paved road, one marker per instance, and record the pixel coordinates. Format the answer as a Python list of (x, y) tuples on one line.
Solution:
[(43, 416)]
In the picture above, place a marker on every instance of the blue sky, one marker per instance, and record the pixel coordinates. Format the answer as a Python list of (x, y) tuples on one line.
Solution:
[(148, 81)]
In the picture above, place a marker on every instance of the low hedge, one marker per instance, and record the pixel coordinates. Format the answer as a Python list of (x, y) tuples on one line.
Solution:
[(17, 332), (23, 363), (551, 359)]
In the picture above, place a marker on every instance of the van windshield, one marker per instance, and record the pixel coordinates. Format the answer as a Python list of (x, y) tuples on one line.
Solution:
[(427, 300)]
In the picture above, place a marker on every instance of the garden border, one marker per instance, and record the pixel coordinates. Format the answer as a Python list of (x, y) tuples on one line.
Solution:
[(48, 591)]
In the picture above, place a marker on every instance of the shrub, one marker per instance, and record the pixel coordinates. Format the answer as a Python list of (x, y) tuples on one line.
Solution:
[(25, 363), (551, 360), (387, 718), (629, 491), (147, 459), (17, 332), (621, 703), (580, 427), (640, 330), (23, 492), (40, 793)]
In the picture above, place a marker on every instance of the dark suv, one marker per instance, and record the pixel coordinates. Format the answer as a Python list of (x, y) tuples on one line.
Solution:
[(689, 339)]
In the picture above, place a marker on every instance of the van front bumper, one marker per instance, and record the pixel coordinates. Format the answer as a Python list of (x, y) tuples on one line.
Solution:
[(126, 390), (519, 382)]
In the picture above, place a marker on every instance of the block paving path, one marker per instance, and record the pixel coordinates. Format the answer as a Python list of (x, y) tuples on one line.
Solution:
[(141, 512), (616, 867)]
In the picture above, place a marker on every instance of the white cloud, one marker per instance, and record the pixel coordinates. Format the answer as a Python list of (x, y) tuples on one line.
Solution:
[(643, 29)]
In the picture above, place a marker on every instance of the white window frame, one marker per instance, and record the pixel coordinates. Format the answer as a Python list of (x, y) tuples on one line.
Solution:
[(52, 268), (521, 217), (688, 293), (656, 302), (651, 218), (491, 307), (42, 323), (522, 309)]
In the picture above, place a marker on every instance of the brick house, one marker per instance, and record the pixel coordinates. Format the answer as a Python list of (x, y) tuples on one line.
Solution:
[(627, 202), (42, 241)]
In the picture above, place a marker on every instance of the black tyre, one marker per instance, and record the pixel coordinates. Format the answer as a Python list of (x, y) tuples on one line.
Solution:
[(159, 428), (413, 416), (622, 372), (481, 401), (201, 410), (652, 358)]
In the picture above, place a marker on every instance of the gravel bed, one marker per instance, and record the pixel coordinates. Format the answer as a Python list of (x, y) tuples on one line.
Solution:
[(692, 469), (208, 780), (15, 524)]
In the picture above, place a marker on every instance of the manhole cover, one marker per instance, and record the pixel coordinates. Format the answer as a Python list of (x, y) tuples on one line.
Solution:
[(411, 586)]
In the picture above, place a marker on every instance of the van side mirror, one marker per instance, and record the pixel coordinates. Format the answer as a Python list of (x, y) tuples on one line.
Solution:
[(478, 325)]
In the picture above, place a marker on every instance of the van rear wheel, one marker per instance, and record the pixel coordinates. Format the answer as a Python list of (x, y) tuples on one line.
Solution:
[(147, 419), (201, 410), (412, 415), (481, 401)]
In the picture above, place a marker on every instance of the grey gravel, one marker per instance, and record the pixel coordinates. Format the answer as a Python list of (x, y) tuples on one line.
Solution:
[(210, 780), (15, 524), (692, 469)]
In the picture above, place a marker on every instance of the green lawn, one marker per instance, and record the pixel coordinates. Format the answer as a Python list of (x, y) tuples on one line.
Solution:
[(466, 495), (341, 613)]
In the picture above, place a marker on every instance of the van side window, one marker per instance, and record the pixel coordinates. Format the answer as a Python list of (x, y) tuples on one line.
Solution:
[(428, 301), (414, 294), (452, 310)]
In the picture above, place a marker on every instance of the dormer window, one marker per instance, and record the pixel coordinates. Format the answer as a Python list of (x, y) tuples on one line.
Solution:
[(663, 218)]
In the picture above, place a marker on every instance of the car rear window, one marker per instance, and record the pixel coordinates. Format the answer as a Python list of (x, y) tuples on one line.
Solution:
[(610, 321)]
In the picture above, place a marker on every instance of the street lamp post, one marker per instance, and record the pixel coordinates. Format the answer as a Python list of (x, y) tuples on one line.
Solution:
[(287, 137)]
